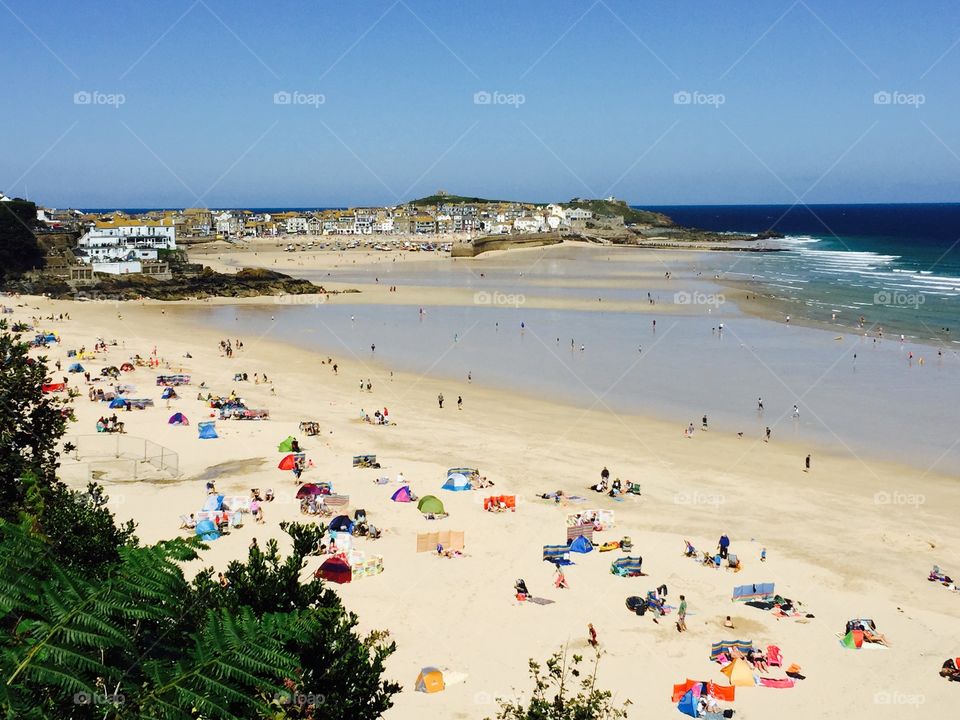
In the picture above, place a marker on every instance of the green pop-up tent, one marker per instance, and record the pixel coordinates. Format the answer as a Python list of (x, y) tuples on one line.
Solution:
[(430, 504), (286, 445)]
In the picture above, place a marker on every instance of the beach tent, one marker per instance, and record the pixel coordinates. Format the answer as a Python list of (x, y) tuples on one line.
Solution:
[(341, 523), (430, 504), (286, 446), (627, 566), (289, 462), (853, 640), (75, 368), (310, 489), (725, 646), (207, 430), (430, 680), (207, 530), (118, 403), (402, 495), (457, 482), (127, 367), (580, 544), (739, 673), (557, 554), (213, 503), (178, 418), (168, 394), (335, 569), (688, 703), (112, 371), (53, 387)]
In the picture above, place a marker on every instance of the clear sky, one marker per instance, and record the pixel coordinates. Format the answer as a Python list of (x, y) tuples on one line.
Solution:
[(117, 103)]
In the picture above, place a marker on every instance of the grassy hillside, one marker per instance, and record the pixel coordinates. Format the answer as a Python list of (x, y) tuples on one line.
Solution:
[(438, 199), (612, 208)]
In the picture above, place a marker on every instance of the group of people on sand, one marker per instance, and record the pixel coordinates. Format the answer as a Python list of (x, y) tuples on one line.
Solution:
[(613, 489), (869, 630), (109, 425)]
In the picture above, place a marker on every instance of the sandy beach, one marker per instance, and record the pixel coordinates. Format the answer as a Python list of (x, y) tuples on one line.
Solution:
[(854, 537)]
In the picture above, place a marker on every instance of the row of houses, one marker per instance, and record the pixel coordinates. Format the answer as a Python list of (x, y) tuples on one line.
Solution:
[(444, 219)]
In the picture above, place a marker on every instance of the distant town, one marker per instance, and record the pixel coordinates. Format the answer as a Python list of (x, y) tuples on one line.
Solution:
[(121, 243)]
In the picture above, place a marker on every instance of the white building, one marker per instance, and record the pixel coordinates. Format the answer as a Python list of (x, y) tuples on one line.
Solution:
[(119, 249), (226, 223), (296, 226), (528, 224), (579, 214)]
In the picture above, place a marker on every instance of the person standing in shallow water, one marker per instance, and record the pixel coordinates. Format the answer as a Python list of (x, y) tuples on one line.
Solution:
[(440, 400)]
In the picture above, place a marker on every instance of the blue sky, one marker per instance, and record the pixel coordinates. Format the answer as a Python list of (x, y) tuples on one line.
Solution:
[(132, 104)]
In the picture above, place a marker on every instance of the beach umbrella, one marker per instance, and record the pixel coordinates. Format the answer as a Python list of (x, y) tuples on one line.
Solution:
[(341, 523), (308, 490)]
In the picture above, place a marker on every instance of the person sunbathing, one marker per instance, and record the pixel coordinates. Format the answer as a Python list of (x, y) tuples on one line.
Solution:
[(871, 636), (757, 659), (950, 671)]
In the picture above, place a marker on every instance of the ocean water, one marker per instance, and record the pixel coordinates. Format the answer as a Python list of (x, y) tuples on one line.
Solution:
[(878, 405), (897, 266)]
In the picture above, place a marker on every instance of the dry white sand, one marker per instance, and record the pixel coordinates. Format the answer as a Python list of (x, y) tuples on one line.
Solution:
[(830, 544)]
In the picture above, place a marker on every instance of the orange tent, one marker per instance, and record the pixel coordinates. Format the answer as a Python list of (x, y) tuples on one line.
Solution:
[(739, 673)]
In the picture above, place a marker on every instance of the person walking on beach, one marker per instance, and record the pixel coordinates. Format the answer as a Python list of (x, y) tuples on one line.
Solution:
[(704, 426), (373, 347), (724, 545), (806, 463), (767, 438), (440, 400), (592, 636), (459, 402), (682, 615), (759, 404)]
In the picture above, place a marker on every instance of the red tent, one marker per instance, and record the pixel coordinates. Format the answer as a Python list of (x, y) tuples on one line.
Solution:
[(336, 569), (53, 387), (289, 462)]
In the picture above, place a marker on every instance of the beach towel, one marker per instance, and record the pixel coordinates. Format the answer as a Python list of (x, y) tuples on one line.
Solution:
[(777, 682), (539, 601)]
